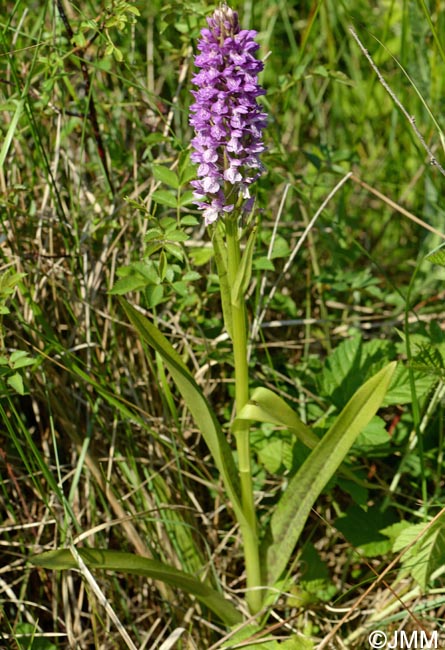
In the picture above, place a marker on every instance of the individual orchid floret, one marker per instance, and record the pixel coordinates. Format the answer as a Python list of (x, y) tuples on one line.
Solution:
[(226, 116)]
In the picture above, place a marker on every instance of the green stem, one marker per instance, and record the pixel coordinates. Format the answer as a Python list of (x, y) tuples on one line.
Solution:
[(239, 340)]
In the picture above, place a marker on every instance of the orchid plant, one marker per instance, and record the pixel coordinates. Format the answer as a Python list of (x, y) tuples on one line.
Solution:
[(229, 123)]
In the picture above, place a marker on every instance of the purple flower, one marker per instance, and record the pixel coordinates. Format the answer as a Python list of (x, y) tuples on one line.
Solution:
[(227, 119)]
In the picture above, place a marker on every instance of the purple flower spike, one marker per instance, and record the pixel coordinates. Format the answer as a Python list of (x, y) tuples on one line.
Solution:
[(227, 119)]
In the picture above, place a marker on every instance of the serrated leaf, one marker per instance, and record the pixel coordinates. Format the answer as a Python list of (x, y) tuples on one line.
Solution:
[(400, 390), (175, 235), (164, 197), (175, 250), (437, 256), (63, 559), (427, 554), (349, 365), (153, 234), (129, 283), (166, 175)]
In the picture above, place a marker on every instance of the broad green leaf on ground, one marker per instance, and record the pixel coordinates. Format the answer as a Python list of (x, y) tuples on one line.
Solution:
[(427, 554), (265, 406), (361, 527), (196, 403), (351, 364), (400, 390), (374, 439), (275, 454), (292, 510), (142, 566)]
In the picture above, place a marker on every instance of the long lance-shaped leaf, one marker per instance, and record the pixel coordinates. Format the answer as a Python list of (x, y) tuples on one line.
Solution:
[(292, 510), (244, 273), (142, 566), (265, 406), (221, 264), (196, 403)]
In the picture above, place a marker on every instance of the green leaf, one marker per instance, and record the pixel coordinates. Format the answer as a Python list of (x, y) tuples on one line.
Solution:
[(400, 391), (280, 248), (16, 382), (9, 135), (188, 174), (351, 364), (196, 403), (261, 640), (437, 256), (251, 632), (20, 359), (271, 455), (27, 637), (186, 198), (189, 220), (373, 439), (201, 255), (244, 272), (129, 283), (263, 264), (265, 406), (292, 510), (142, 566), (221, 264), (426, 555), (361, 527), (175, 251), (164, 197), (154, 294)]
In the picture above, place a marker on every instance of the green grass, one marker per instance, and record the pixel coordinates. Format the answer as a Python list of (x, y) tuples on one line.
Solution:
[(99, 449)]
